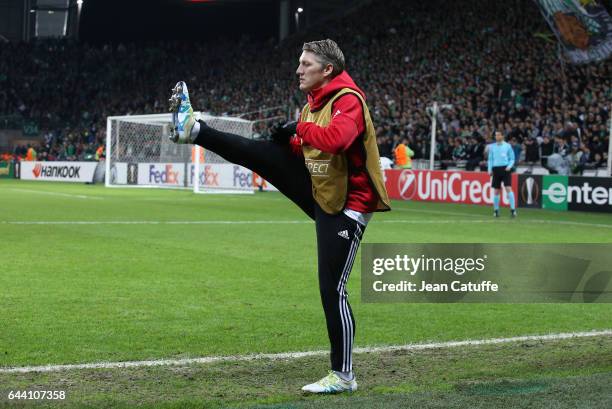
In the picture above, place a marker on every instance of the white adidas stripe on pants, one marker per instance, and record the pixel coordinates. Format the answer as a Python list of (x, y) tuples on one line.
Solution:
[(348, 331)]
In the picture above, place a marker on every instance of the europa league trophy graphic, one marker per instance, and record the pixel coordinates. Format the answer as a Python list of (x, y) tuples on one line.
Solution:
[(529, 184)]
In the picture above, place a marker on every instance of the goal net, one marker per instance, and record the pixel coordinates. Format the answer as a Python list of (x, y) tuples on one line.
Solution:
[(139, 154)]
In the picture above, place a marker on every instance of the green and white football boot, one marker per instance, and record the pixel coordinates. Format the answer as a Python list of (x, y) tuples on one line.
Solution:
[(183, 118), (332, 383)]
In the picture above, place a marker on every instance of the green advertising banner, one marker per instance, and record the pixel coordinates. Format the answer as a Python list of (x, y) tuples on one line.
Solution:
[(30, 128), (7, 169), (554, 192), (490, 273)]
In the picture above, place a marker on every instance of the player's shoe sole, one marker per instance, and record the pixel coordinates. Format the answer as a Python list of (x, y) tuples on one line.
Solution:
[(183, 117)]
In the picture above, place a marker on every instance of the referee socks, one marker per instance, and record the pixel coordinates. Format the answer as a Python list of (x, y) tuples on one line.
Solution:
[(511, 200)]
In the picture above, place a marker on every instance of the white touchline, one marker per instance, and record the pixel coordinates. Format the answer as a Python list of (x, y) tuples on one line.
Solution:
[(222, 198), (44, 192), (569, 223), (449, 213), (243, 222), (154, 222), (297, 355)]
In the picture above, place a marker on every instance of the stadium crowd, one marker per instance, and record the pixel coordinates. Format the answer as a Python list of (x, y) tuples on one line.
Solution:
[(495, 63)]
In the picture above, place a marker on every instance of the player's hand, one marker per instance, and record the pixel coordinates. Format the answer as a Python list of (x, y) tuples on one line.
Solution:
[(508, 169), (281, 133), (490, 173)]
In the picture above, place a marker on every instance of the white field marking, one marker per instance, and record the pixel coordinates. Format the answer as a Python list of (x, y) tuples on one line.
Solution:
[(297, 355), (227, 222), (449, 213), (272, 222), (568, 223), (491, 220), (156, 222), (544, 221), (44, 192), (204, 197)]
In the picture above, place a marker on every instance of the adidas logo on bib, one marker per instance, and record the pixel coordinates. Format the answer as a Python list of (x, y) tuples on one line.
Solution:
[(344, 234)]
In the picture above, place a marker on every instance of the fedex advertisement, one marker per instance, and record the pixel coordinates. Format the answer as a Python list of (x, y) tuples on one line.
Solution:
[(180, 174), (260, 183), (161, 174), (443, 186), (222, 175), (229, 176)]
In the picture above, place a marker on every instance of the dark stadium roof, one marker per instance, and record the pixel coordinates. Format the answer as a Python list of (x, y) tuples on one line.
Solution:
[(199, 19)]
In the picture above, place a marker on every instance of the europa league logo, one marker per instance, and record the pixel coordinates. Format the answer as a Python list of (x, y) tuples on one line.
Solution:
[(530, 191), (529, 182), (132, 174)]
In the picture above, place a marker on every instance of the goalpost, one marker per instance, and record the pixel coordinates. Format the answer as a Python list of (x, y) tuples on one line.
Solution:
[(139, 154)]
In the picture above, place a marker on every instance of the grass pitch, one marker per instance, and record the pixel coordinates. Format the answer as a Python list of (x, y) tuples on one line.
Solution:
[(91, 274)]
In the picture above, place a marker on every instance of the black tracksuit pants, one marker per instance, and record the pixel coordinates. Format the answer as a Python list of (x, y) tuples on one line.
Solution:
[(338, 236)]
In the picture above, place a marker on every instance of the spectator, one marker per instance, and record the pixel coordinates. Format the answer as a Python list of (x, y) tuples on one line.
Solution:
[(547, 149), (459, 150), (516, 147), (532, 151), (561, 146), (495, 75), (403, 155), (599, 160), (475, 153), (31, 154)]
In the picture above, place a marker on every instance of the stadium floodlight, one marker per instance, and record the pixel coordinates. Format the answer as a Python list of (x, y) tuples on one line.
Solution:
[(139, 154), (433, 112), (299, 10)]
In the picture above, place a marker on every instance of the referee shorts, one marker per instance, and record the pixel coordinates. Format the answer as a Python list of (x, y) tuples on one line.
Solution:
[(501, 175)]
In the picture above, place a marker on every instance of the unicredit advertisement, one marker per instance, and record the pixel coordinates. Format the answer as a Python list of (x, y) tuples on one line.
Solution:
[(443, 186)]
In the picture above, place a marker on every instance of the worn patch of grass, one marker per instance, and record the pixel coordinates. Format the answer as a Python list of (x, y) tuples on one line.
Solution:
[(544, 374)]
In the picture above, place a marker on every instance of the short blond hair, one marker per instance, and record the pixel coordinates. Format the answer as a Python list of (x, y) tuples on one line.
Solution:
[(327, 52)]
